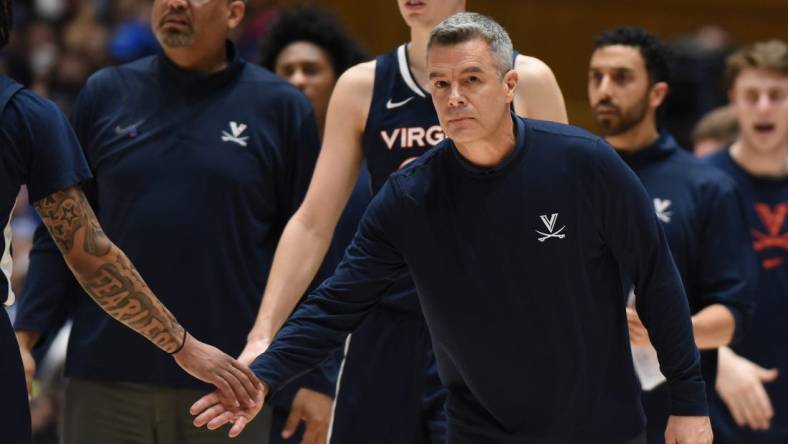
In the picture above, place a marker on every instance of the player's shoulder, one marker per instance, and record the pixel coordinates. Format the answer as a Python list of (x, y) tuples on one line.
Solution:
[(532, 69), (700, 173), (561, 132), (360, 77), (413, 179), (30, 107), (113, 79)]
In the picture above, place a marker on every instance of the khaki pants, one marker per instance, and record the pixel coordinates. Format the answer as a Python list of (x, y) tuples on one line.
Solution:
[(126, 413)]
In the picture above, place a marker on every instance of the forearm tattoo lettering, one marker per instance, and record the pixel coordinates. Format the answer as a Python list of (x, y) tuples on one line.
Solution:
[(110, 279)]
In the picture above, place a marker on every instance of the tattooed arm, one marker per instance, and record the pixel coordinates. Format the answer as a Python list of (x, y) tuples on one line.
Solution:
[(113, 282)]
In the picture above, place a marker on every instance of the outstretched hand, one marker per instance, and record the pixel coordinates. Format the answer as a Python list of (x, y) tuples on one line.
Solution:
[(237, 385), (210, 412)]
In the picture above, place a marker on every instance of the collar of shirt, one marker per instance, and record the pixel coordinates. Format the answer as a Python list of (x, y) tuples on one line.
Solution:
[(194, 81), (519, 149), (662, 148)]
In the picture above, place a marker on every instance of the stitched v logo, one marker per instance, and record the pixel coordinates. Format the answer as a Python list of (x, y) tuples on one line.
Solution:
[(549, 222), (773, 221), (661, 207), (236, 129)]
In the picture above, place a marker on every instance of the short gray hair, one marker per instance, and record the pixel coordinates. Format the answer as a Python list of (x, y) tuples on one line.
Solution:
[(466, 26)]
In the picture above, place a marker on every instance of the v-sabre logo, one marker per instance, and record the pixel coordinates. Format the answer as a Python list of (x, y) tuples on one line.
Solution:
[(549, 223), (414, 136), (236, 129), (661, 207)]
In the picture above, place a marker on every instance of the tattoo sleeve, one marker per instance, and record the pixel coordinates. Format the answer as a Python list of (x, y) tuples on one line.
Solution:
[(104, 271)]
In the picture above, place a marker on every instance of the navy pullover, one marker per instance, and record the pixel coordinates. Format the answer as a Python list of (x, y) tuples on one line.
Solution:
[(517, 271), (703, 217), (765, 341), (196, 176)]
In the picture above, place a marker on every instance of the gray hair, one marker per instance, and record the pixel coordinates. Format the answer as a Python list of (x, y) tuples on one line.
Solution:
[(466, 26)]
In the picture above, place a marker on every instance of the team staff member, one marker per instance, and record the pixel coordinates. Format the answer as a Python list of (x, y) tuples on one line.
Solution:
[(698, 206), (199, 160), (381, 112), (524, 227), (752, 377), (41, 151)]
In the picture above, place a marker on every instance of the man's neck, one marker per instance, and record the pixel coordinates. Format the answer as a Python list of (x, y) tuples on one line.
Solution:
[(206, 62), (636, 139), (773, 164), (492, 151), (417, 54)]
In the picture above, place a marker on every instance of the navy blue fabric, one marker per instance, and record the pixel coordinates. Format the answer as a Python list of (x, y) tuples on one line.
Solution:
[(401, 126), (528, 327), (14, 410), (386, 396), (703, 217), (39, 149), (764, 342), (393, 136), (196, 176)]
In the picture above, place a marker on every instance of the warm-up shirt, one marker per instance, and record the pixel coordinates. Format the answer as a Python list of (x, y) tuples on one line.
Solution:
[(518, 274), (38, 148), (195, 178), (702, 215), (765, 340)]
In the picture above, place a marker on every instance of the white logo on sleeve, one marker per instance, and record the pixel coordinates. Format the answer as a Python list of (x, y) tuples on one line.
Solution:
[(661, 207), (549, 222), (237, 130)]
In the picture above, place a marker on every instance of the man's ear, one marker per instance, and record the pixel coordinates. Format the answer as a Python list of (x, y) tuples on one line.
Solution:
[(237, 9), (510, 80), (658, 93)]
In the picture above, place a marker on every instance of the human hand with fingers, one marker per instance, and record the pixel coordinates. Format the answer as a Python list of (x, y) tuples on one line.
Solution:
[(688, 430), (740, 384), (236, 385), (210, 412), (314, 408)]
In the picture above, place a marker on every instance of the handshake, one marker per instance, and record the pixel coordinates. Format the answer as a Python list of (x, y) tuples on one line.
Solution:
[(239, 394)]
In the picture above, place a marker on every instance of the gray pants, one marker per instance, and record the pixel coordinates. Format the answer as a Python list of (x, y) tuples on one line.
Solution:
[(125, 413), (640, 439)]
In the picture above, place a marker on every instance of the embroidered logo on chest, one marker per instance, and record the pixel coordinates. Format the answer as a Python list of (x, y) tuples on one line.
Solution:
[(236, 134), (773, 219), (661, 208), (549, 223)]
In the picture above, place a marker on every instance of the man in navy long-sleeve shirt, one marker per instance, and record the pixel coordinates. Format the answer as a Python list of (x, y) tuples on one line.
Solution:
[(516, 233), (698, 206)]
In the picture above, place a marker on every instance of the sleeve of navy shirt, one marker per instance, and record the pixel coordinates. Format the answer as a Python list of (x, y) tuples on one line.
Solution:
[(633, 232), (727, 267), (57, 163), (319, 326)]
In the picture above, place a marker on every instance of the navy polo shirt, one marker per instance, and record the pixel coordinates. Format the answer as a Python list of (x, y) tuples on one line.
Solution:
[(195, 177)]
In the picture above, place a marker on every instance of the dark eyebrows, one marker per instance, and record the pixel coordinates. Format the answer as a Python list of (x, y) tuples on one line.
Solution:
[(470, 69)]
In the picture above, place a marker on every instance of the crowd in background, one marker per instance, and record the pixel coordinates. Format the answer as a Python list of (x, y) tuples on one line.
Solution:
[(58, 44)]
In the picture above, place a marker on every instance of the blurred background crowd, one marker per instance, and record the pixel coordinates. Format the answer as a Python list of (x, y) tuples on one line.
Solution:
[(57, 44)]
